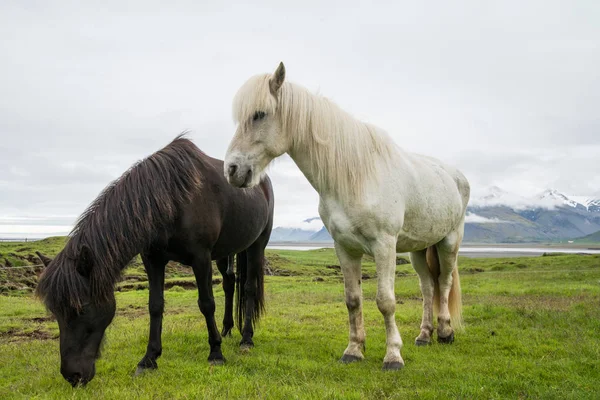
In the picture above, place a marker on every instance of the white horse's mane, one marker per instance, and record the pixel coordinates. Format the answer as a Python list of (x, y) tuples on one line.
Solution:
[(345, 150)]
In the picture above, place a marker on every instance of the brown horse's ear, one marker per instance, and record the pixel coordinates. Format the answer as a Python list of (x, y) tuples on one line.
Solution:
[(84, 261), (45, 260), (277, 79)]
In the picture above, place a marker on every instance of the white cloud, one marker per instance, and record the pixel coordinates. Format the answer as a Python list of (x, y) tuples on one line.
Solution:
[(516, 202), (31, 231), (471, 218)]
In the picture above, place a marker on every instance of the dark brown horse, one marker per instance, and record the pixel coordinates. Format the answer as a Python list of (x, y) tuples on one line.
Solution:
[(174, 205)]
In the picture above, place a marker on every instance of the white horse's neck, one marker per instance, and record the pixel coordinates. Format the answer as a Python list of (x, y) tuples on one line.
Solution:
[(309, 169), (337, 153)]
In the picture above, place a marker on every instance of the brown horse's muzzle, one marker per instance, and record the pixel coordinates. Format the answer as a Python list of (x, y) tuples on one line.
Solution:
[(78, 373)]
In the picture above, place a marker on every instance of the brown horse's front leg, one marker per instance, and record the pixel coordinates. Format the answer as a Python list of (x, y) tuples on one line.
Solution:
[(155, 269), (203, 271)]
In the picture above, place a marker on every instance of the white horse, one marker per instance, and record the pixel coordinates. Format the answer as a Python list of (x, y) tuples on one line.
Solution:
[(375, 198)]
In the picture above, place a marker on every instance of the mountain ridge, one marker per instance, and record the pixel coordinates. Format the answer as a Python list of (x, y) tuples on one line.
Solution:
[(591, 238), (499, 216)]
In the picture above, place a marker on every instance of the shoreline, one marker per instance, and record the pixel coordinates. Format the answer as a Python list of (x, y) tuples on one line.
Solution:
[(473, 250), (586, 246)]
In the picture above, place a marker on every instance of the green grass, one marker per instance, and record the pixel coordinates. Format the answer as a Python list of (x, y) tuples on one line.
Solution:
[(531, 332)]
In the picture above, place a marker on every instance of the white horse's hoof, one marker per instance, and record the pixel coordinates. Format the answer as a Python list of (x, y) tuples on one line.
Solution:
[(348, 358), (393, 366), (446, 340)]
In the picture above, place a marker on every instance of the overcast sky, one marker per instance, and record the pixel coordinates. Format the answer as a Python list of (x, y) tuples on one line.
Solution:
[(507, 91)]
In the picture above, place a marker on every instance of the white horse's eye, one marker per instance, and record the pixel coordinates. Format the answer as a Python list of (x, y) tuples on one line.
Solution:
[(258, 115)]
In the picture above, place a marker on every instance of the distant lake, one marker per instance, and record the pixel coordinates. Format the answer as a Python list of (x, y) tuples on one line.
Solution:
[(470, 251)]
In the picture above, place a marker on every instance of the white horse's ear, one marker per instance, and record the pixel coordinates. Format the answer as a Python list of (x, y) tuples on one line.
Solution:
[(277, 79)]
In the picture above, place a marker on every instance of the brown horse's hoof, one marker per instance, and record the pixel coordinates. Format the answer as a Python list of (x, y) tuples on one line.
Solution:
[(348, 358), (393, 366), (147, 364), (246, 344), (246, 347), (141, 370), (446, 340), (420, 343), (216, 358)]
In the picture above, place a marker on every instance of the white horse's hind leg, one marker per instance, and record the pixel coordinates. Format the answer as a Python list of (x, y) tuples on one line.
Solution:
[(385, 259), (350, 265), (448, 257), (419, 263)]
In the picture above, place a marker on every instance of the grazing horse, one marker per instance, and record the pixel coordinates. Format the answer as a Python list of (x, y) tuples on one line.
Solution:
[(174, 205), (375, 198)]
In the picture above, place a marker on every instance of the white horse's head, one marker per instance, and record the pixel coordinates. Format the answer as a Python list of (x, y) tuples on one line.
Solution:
[(260, 136)]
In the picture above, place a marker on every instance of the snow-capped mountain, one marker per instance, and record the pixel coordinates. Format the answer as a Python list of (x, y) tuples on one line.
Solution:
[(308, 230), (592, 204), (557, 197), (494, 193), (549, 198), (498, 216)]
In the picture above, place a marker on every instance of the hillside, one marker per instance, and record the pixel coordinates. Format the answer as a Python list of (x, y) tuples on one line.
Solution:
[(283, 234), (591, 238), (530, 225), (502, 217)]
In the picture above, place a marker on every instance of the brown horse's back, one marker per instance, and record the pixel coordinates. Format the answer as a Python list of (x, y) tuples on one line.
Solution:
[(223, 218)]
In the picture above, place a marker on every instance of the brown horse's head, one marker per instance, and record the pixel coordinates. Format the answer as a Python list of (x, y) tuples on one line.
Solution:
[(65, 288)]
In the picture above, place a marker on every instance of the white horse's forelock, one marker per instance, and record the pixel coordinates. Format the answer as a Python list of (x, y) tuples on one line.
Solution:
[(346, 150), (253, 96)]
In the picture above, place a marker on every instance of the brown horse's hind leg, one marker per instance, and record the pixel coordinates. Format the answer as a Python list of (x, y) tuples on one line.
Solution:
[(155, 269), (253, 289), (225, 266), (250, 292)]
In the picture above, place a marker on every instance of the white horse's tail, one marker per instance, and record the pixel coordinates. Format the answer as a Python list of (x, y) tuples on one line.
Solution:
[(454, 298)]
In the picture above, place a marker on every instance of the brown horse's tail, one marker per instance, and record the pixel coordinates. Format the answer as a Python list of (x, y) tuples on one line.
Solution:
[(454, 298), (259, 304)]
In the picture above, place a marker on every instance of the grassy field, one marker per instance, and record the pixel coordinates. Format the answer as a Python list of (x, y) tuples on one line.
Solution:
[(532, 331)]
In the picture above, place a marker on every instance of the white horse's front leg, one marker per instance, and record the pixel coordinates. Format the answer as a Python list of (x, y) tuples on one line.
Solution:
[(385, 259), (350, 265)]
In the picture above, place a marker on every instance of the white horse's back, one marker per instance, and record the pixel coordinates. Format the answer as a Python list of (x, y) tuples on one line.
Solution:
[(435, 197)]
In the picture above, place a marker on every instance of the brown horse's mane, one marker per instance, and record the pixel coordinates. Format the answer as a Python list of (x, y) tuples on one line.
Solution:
[(128, 215)]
